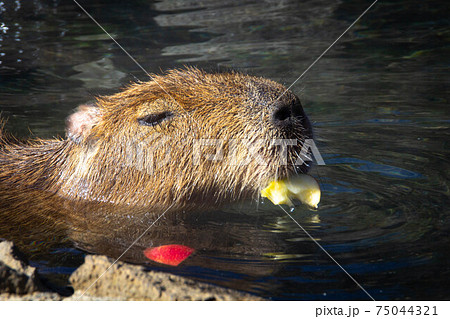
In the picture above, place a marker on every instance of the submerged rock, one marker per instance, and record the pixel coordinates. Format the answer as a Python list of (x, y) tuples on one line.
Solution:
[(129, 282), (35, 296), (99, 279), (16, 275)]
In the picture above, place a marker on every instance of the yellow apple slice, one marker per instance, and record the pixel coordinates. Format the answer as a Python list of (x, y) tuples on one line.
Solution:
[(305, 188), (277, 193), (302, 187)]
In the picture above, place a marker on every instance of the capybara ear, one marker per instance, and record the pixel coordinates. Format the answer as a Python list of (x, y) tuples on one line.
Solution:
[(80, 123)]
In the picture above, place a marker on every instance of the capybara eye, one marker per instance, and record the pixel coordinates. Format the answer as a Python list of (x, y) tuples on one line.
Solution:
[(155, 118)]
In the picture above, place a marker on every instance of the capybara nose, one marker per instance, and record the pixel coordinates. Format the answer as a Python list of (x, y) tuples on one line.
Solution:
[(283, 113), (286, 116)]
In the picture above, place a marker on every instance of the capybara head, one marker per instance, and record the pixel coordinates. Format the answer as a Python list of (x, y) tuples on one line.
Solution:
[(189, 137)]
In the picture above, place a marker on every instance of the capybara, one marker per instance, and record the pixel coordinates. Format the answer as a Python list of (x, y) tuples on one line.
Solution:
[(186, 139)]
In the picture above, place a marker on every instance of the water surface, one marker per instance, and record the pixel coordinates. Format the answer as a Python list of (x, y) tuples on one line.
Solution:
[(378, 101)]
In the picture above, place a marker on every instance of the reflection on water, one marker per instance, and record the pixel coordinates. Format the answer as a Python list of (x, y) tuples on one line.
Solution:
[(378, 101)]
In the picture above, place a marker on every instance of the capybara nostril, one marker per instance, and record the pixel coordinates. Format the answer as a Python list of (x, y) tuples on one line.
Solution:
[(281, 115)]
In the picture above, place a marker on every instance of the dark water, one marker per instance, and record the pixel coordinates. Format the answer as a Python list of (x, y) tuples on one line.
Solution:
[(378, 101)]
